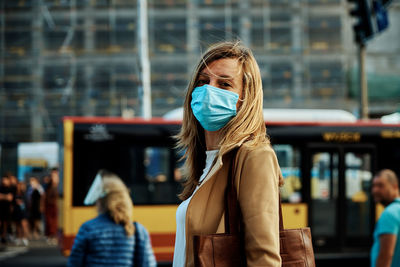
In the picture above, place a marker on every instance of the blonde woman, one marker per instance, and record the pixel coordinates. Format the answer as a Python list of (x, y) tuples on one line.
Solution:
[(223, 114), (111, 239)]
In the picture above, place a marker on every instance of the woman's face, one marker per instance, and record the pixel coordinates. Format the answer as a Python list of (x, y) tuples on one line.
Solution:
[(33, 182), (225, 74)]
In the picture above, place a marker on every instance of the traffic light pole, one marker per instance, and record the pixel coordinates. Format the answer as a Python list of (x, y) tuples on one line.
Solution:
[(363, 82)]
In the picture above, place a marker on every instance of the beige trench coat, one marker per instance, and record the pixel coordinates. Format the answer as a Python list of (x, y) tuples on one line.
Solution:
[(257, 177)]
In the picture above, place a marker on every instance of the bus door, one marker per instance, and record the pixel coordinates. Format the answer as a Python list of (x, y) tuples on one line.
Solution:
[(341, 208)]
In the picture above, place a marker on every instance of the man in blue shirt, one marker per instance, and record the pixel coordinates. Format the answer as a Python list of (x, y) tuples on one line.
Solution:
[(385, 251)]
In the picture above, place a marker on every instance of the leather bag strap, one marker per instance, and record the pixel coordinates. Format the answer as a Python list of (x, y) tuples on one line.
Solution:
[(232, 209), (280, 214)]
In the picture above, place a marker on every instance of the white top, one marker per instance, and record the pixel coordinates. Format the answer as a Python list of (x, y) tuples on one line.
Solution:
[(180, 237)]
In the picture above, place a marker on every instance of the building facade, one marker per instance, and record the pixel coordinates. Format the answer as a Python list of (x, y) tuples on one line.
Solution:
[(80, 58)]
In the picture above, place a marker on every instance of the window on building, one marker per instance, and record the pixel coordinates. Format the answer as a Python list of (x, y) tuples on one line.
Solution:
[(62, 5), (167, 3), (124, 3), (259, 33), (101, 81), (211, 3), (327, 79), (102, 34), (125, 35), (281, 38), (18, 43), (17, 5), (116, 34), (169, 35), (63, 35), (324, 2), (280, 3), (281, 78), (325, 33), (280, 33), (218, 29), (169, 82), (17, 77), (56, 77)]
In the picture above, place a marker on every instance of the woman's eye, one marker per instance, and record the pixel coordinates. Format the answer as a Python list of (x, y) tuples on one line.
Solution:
[(201, 82), (225, 85)]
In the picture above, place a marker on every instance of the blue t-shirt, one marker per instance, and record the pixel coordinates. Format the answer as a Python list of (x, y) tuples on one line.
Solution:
[(388, 223)]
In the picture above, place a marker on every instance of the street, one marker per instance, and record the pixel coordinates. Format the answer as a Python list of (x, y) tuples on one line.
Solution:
[(38, 253)]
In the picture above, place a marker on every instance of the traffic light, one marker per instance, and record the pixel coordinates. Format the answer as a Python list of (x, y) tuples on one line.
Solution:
[(363, 29), (386, 3), (381, 15)]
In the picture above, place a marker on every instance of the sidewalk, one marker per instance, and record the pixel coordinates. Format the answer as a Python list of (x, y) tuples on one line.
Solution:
[(37, 253), (11, 251)]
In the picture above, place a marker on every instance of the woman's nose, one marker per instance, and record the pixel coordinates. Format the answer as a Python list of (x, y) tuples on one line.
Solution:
[(213, 83)]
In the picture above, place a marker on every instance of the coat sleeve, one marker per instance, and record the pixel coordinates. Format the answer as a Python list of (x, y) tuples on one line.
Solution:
[(145, 253), (258, 195), (78, 252), (150, 258)]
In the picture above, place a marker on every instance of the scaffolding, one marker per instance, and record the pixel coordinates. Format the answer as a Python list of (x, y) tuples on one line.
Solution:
[(81, 58)]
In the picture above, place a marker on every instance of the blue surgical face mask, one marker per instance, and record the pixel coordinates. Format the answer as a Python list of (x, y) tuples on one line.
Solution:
[(213, 107)]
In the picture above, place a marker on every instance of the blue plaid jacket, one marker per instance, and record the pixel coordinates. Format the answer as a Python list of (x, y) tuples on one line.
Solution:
[(101, 242)]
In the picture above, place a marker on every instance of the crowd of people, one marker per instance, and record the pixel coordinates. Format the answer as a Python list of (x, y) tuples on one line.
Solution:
[(28, 209)]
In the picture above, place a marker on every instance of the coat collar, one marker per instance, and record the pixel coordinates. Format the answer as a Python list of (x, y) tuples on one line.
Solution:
[(217, 165)]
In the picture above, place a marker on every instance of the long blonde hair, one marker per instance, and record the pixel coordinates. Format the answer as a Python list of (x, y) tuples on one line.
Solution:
[(247, 126), (117, 201)]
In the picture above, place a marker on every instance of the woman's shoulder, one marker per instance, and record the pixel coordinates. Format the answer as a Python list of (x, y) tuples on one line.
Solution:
[(262, 158), (99, 221), (263, 149)]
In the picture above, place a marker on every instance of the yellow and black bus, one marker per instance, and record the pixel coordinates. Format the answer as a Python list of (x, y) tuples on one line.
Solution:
[(328, 169)]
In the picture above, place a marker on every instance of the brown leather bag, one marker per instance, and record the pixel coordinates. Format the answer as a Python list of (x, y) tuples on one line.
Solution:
[(227, 249), (295, 245)]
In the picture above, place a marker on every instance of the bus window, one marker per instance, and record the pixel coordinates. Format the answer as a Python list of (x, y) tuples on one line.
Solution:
[(158, 185), (358, 178), (289, 161), (179, 161), (156, 163), (324, 193), (148, 171)]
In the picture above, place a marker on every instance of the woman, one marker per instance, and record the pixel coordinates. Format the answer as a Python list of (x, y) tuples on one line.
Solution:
[(223, 113), (50, 207), (35, 200), (6, 198), (111, 239), (20, 214)]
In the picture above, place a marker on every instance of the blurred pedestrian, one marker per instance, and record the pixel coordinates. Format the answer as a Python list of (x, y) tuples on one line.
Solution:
[(35, 207), (50, 207), (13, 189), (386, 247), (6, 198), (45, 182), (20, 215), (111, 239), (223, 126)]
